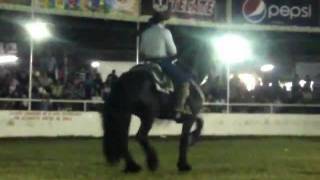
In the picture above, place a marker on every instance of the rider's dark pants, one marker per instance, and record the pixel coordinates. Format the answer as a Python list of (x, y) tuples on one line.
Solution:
[(175, 72)]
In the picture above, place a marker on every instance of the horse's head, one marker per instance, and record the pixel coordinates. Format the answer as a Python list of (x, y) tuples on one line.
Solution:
[(198, 60)]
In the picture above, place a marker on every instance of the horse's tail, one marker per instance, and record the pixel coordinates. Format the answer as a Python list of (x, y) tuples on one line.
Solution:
[(116, 121)]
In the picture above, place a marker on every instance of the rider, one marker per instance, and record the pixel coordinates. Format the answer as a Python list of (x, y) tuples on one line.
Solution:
[(157, 46)]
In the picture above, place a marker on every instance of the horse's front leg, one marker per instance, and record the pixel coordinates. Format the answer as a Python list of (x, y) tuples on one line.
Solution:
[(194, 136), (183, 164)]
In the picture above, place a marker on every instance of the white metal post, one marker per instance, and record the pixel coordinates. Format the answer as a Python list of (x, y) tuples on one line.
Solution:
[(31, 61), (138, 44), (229, 11), (228, 88)]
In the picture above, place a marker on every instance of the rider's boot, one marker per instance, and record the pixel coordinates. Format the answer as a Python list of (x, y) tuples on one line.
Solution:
[(182, 94)]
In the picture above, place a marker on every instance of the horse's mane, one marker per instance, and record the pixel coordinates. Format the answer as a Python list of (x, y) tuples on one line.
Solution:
[(197, 60)]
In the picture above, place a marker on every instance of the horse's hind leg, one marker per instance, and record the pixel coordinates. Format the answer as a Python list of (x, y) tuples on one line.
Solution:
[(183, 164), (142, 137), (130, 164)]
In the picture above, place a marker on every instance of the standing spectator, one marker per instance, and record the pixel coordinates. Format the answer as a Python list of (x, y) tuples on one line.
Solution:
[(111, 78), (49, 64), (237, 89), (296, 89), (3, 72), (275, 91), (78, 92), (307, 86), (97, 84), (23, 78), (316, 89), (13, 86), (88, 86), (306, 90), (67, 90)]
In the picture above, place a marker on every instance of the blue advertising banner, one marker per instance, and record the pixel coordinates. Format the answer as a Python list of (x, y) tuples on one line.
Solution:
[(276, 12)]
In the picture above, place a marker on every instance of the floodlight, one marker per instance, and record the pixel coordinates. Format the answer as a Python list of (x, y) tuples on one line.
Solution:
[(232, 48), (95, 64), (267, 68), (38, 30), (249, 80), (6, 59)]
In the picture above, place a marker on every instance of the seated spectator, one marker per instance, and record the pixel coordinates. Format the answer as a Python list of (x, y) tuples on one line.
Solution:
[(44, 80), (56, 89)]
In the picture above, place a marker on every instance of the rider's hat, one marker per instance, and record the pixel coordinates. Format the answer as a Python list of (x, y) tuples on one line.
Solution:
[(159, 17)]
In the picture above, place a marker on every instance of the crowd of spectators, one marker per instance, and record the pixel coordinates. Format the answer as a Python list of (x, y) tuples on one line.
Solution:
[(51, 81), (268, 91)]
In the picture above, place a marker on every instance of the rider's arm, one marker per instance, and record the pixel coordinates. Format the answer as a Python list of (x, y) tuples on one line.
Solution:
[(142, 45), (142, 48), (170, 45)]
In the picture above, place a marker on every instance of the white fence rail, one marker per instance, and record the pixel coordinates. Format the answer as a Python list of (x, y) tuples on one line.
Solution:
[(85, 103), (62, 123)]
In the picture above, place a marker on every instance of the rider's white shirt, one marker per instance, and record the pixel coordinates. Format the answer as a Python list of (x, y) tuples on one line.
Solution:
[(157, 42)]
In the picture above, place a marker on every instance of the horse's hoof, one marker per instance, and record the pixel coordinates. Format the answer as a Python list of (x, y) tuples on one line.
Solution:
[(193, 139), (153, 165), (184, 167), (132, 168)]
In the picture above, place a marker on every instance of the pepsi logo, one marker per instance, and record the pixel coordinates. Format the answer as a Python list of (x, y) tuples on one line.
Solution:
[(254, 11)]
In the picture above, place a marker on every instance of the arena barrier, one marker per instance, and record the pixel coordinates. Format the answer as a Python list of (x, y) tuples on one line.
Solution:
[(60, 124)]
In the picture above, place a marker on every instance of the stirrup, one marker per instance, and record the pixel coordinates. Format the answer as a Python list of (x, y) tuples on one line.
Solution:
[(177, 115)]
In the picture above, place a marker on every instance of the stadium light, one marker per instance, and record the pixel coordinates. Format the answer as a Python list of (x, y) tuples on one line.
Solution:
[(267, 68), (38, 30), (249, 80), (6, 59), (232, 48), (287, 85), (95, 64)]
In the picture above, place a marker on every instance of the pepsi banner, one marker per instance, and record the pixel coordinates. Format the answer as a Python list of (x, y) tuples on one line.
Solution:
[(276, 12), (209, 10)]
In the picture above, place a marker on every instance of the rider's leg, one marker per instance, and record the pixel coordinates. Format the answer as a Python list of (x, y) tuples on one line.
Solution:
[(182, 80), (182, 94), (176, 73)]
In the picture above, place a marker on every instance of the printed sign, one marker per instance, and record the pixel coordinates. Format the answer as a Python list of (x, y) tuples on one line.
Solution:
[(211, 10), (284, 12), (16, 2), (128, 7)]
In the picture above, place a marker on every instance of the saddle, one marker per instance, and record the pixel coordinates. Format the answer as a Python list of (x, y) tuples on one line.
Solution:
[(162, 81)]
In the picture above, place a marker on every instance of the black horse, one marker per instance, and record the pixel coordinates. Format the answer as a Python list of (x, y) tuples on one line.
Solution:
[(135, 93)]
